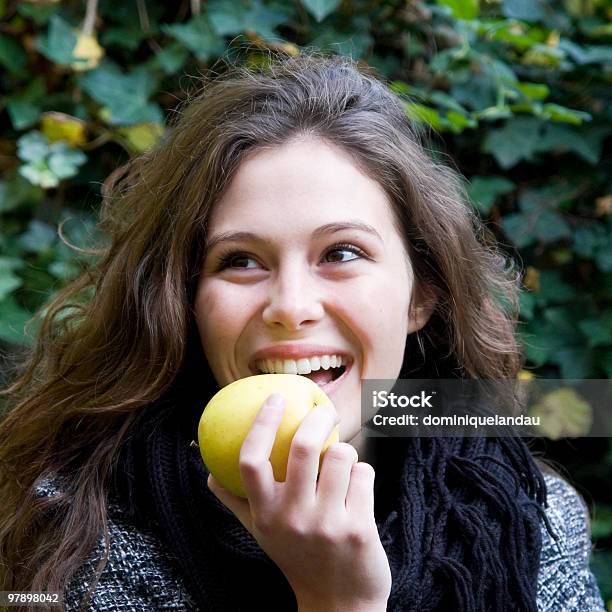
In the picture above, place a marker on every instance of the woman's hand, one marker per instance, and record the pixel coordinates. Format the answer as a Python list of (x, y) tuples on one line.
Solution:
[(322, 535)]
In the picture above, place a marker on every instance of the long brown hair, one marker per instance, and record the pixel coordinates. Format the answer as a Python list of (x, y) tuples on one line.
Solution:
[(117, 337)]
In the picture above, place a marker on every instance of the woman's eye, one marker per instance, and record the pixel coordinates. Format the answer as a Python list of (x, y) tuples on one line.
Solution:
[(229, 261), (345, 248), (237, 260)]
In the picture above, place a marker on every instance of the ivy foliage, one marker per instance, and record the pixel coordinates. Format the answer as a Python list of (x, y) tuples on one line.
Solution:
[(515, 92)]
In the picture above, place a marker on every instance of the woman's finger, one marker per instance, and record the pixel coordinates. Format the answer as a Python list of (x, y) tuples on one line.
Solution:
[(335, 476), (360, 494), (255, 467), (303, 463)]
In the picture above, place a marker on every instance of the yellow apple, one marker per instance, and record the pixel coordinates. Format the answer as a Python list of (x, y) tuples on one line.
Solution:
[(228, 416)]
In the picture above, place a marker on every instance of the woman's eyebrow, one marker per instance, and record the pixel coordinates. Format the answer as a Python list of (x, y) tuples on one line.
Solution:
[(328, 228)]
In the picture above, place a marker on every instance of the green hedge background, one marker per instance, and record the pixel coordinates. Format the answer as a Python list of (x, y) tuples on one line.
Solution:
[(516, 93)]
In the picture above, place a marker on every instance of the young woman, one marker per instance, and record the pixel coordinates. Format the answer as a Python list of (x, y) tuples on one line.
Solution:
[(291, 221)]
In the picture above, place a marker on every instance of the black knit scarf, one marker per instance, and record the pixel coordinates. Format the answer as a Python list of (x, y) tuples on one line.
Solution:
[(459, 519)]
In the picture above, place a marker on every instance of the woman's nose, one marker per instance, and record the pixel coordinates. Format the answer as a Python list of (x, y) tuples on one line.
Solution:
[(294, 299)]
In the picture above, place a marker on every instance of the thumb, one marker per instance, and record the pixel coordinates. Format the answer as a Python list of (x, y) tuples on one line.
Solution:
[(238, 505)]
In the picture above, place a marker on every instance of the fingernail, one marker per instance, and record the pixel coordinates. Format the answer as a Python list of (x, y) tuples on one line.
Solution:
[(276, 400)]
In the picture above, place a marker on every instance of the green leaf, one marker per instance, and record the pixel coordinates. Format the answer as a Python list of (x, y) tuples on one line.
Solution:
[(494, 113), (23, 114), (125, 95), (16, 192), (556, 339), (12, 55), (478, 93), (594, 241), (574, 363), (519, 228), (499, 71), (551, 195), (598, 332), (12, 322), (172, 58), (423, 114), (605, 362), (230, 18), (459, 122), (59, 41), (562, 139), (601, 564), (24, 107), (563, 319), (593, 54), (64, 270), (483, 191), (509, 31), (526, 228), (38, 173), (555, 112), (603, 259), (542, 339), (320, 9), (527, 302), (533, 91), (128, 36), (588, 239), (9, 281), (462, 9), (47, 164), (534, 351), (355, 43), (601, 524), (38, 13), (550, 226), (64, 161), (198, 36), (527, 10), (38, 238), (444, 100), (553, 289), (32, 147), (517, 140)]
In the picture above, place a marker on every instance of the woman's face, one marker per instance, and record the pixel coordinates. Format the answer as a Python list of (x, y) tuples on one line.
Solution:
[(314, 268)]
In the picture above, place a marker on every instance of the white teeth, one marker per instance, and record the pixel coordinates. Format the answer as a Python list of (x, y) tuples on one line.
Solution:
[(301, 366), (290, 367)]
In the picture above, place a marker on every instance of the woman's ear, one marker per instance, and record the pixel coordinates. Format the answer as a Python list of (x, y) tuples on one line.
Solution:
[(422, 307)]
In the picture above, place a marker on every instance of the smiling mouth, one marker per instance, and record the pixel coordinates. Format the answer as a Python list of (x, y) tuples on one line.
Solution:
[(325, 379)]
